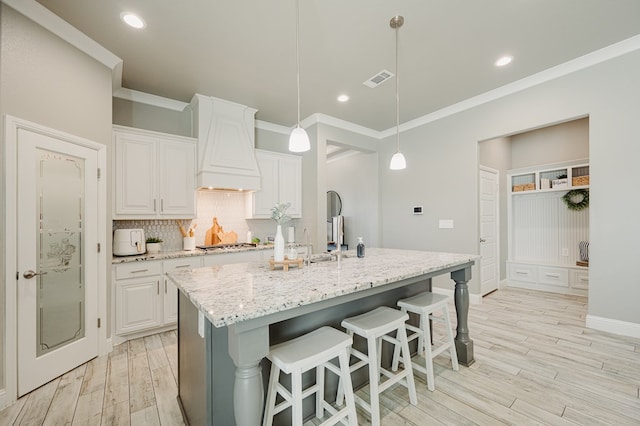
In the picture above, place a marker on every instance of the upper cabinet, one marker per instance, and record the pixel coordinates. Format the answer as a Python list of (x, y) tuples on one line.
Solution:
[(281, 181), (154, 175)]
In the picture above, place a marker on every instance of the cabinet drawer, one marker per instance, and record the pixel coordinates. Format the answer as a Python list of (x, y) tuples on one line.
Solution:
[(522, 273), (580, 279), (553, 276), (138, 269), (182, 263)]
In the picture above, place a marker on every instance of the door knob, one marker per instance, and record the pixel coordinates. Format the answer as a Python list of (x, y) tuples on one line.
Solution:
[(30, 274), (482, 240)]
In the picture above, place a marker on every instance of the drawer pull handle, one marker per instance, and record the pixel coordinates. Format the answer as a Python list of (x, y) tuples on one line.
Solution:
[(139, 270), (182, 266), (584, 279), (552, 275), (522, 273)]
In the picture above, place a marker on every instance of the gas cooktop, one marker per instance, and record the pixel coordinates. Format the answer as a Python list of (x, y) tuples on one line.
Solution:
[(228, 246)]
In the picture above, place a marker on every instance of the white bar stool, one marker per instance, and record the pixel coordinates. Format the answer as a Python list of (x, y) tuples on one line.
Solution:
[(425, 305), (312, 350), (374, 326)]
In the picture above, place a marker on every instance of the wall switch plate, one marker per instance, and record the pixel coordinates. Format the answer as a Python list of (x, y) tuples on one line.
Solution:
[(445, 223), (417, 210)]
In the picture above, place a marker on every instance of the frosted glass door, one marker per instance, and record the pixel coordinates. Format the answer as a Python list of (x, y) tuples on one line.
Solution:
[(57, 257)]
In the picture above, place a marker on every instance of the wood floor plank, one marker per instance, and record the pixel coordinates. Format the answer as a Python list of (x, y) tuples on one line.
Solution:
[(535, 363), (64, 400), (38, 402)]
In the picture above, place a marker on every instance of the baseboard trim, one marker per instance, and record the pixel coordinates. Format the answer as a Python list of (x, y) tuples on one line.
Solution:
[(474, 299), (609, 325), (3, 398)]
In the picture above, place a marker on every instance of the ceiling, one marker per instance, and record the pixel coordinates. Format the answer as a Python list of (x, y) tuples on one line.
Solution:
[(244, 50)]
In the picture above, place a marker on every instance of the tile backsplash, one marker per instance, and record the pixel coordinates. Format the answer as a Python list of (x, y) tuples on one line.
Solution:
[(227, 206)]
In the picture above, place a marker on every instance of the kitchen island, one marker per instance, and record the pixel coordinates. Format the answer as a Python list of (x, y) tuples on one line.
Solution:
[(241, 309)]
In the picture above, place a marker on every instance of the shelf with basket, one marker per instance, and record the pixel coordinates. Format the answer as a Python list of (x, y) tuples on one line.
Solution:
[(559, 178)]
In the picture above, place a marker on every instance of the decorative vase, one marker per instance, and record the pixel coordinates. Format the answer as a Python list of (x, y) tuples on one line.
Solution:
[(278, 245)]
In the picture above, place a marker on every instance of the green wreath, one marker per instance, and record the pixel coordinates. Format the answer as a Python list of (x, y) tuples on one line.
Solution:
[(580, 194)]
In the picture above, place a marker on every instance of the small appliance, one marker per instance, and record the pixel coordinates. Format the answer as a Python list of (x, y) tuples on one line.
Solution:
[(128, 242)]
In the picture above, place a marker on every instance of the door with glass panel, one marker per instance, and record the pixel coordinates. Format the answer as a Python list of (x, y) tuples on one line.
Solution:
[(57, 261)]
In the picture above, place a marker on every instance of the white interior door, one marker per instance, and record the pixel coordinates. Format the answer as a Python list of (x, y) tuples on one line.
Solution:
[(57, 262), (489, 269)]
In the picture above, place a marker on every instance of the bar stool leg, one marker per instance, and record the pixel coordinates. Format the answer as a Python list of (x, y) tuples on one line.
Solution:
[(320, 393), (428, 353), (296, 397), (452, 344), (374, 379), (345, 380), (406, 359)]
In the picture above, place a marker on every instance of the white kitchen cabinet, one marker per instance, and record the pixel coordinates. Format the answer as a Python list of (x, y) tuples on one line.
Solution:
[(170, 296), (146, 300), (154, 175), (553, 278), (281, 181), (138, 296)]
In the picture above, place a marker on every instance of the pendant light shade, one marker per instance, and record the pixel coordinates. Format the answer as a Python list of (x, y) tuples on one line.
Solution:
[(398, 161), (299, 140)]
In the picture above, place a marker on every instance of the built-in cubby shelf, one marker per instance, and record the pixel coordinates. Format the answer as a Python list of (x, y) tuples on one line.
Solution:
[(543, 233), (554, 178)]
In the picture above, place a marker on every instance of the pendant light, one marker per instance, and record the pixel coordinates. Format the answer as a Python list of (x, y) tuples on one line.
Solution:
[(298, 140), (398, 161)]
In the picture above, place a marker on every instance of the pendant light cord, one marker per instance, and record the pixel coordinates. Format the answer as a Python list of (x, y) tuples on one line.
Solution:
[(298, 55), (397, 97)]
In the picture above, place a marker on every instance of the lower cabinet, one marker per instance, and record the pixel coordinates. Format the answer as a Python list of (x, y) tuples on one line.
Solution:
[(145, 298), (554, 278)]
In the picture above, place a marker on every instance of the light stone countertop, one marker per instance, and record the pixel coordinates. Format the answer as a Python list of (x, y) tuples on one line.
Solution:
[(233, 293), (188, 253)]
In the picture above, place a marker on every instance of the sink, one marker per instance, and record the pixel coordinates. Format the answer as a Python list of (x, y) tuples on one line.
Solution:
[(325, 257)]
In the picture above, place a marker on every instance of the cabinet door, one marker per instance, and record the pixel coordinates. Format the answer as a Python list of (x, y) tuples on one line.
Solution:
[(177, 179), (135, 174), (290, 184), (262, 201), (170, 294), (138, 304)]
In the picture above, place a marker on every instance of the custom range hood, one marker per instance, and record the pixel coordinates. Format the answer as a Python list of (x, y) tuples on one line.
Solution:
[(226, 142)]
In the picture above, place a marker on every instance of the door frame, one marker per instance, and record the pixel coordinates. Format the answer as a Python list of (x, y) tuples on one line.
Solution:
[(11, 126), (498, 266)]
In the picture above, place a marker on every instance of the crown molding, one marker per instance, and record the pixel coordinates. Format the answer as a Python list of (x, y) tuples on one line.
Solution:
[(271, 127), (58, 26), (149, 99), (586, 61)]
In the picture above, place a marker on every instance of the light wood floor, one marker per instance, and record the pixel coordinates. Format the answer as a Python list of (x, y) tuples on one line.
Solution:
[(536, 363)]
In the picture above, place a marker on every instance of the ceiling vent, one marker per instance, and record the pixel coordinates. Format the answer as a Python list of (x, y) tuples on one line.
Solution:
[(378, 79)]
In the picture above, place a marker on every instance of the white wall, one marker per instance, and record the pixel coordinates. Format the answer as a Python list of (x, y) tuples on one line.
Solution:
[(554, 144), (149, 117), (442, 171), (45, 80), (355, 179)]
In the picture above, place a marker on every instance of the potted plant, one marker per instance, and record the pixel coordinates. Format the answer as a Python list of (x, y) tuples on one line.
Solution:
[(153, 245)]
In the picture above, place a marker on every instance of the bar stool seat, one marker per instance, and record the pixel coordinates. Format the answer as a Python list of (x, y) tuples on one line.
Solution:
[(312, 350), (426, 304), (375, 326)]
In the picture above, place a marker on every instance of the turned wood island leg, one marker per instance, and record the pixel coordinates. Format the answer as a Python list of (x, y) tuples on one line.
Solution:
[(464, 345), (247, 349)]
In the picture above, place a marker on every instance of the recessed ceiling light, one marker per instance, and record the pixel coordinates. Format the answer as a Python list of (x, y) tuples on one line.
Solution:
[(343, 98), (505, 60), (132, 20)]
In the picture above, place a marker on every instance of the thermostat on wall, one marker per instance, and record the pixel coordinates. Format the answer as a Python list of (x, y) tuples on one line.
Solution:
[(417, 210)]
